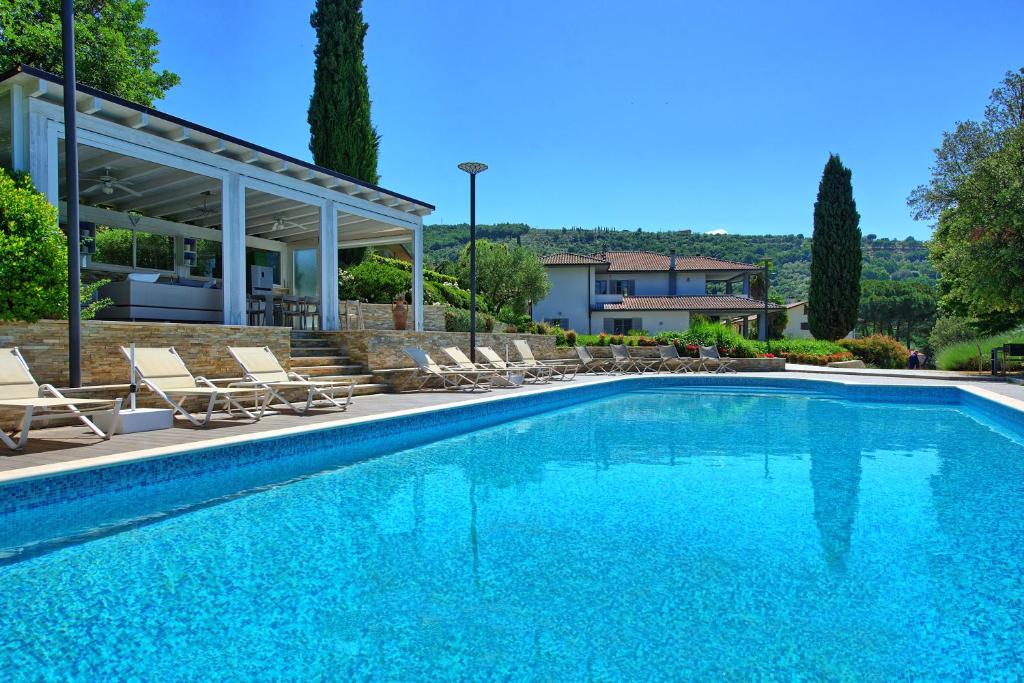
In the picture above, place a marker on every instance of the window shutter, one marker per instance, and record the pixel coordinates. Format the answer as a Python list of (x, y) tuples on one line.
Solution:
[(632, 287), (638, 323), (609, 325)]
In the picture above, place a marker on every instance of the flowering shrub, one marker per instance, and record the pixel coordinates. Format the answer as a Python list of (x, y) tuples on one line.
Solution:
[(878, 350), (817, 358)]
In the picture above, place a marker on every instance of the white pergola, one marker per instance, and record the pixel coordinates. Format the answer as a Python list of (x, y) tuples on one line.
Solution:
[(187, 180)]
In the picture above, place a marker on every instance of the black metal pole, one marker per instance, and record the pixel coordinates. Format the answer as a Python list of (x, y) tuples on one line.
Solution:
[(71, 176), (767, 337), (472, 267)]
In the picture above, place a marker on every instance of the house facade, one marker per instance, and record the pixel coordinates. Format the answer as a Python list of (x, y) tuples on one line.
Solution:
[(618, 291)]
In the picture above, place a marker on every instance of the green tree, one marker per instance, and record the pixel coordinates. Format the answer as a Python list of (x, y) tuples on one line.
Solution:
[(835, 255), (509, 277), (977, 194), (897, 309), (113, 50), (34, 256), (342, 136)]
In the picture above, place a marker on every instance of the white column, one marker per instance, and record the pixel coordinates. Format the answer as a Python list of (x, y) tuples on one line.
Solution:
[(19, 129), (233, 249), (417, 277), (328, 265), (42, 158)]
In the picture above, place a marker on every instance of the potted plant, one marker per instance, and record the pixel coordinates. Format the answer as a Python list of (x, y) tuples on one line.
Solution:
[(400, 312)]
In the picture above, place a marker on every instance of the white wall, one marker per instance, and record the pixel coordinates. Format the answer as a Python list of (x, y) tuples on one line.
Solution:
[(691, 284), (656, 284), (797, 315), (652, 321), (570, 286)]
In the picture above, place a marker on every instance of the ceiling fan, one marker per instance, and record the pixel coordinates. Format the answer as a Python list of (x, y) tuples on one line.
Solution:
[(281, 223), (107, 183)]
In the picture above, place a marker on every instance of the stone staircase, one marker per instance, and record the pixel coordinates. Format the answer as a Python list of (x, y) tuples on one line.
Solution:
[(314, 355)]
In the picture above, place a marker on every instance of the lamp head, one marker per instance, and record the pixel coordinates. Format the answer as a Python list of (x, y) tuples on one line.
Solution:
[(472, 167)]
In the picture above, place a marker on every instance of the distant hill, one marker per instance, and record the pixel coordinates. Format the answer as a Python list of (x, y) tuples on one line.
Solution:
[(884, 259)]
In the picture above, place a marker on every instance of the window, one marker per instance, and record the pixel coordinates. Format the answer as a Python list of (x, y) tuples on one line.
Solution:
[(624, 286), (262, 257), (133, 249), (622, 325), (805, 326), (561, 322), (600, 286)]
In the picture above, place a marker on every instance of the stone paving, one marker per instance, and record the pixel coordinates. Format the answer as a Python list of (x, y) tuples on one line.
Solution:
[(60, 445)]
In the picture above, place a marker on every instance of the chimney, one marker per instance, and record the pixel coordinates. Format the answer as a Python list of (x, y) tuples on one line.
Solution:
[(672, 273)]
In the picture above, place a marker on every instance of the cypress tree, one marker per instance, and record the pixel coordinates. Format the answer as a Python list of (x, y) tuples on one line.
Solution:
[(342, 136), (835, 255)]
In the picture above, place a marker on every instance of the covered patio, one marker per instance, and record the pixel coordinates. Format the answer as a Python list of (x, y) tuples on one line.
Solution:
[(189, 222)]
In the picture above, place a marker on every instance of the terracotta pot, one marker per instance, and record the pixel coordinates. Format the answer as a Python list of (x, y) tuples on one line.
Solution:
[(400, 313)]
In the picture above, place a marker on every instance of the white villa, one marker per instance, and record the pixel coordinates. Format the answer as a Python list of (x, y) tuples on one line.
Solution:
[(202, 212), (618, 291)]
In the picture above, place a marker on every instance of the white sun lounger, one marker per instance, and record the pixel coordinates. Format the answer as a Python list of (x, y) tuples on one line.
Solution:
[(673, 362), (590, 363), (622, 361), (163, 371), (452, 379), (262, 368), (535, 373), (508, 379), (41, 403), (562, 370), (712, 361)]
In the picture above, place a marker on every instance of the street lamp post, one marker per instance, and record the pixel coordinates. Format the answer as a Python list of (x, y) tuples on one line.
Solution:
[(472, 168), (763, 326)]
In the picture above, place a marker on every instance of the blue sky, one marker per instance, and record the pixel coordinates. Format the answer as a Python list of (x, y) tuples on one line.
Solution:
[(660, 115)]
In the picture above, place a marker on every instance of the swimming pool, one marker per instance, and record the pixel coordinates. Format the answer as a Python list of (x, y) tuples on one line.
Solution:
[(671, 531)]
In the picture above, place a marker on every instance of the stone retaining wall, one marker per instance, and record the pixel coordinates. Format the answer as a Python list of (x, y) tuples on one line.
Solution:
[(740, 364), (382, 349), (378, 316), (44, 345)]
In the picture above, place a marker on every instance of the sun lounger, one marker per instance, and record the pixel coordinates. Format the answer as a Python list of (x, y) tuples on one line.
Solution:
[(589, 363), (163, 371), (671, 361), (502, 378), (622, 361), (262, 368), (531, 372), (451, 379), (41, 403), (712, 361), (560, 369)]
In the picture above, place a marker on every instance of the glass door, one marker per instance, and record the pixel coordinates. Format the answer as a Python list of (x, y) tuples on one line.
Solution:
[(306, 272)]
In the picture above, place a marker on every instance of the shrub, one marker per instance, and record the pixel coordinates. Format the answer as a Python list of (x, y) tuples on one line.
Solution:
[(457, 320), (878, 350), (33, 253), (974, 354), (570, 338), (705, 333), (949, 330)]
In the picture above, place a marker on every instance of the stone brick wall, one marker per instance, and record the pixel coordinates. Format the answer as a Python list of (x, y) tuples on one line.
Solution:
[(382, 349), (378, 317), (203, 347), (740, 364), (44, 345)]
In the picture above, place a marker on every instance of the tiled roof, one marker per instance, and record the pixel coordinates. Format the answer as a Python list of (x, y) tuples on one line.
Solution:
[(626, 261), (566, 258), (687, 303)]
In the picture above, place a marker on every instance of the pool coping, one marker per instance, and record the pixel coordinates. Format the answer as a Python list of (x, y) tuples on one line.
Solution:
[(104, 461)]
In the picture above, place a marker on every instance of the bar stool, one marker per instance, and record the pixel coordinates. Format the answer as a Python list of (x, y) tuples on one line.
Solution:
[(312, 311), (292, 310), (255, 310)]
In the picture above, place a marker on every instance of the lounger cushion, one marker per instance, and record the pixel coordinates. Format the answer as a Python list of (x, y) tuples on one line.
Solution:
[(42, 402)]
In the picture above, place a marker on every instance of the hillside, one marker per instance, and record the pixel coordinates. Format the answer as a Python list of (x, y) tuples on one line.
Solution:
[(884, 259)]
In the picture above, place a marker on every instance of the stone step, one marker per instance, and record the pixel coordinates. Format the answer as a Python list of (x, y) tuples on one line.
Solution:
[(306, 361), (323, 370), (307, 334), (312, 341), (310, 353), (369, 389)]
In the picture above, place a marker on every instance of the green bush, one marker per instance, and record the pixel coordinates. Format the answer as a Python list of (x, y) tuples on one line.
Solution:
[(33, 253), (457, 320), (812, 347), (878, 350), (975, 354), (949, 330), (703, 332)]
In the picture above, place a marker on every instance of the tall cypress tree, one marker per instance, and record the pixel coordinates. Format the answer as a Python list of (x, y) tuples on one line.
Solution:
[(835, 255), (342, 136)]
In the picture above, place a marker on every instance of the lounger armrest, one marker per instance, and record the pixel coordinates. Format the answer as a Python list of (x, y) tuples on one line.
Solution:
[(296, 376), (202, 380)]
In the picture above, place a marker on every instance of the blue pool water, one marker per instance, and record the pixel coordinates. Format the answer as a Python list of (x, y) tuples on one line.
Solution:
[(660, 534)]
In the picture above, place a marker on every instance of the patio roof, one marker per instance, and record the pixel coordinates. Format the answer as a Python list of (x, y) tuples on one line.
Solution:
[(103, 105)]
